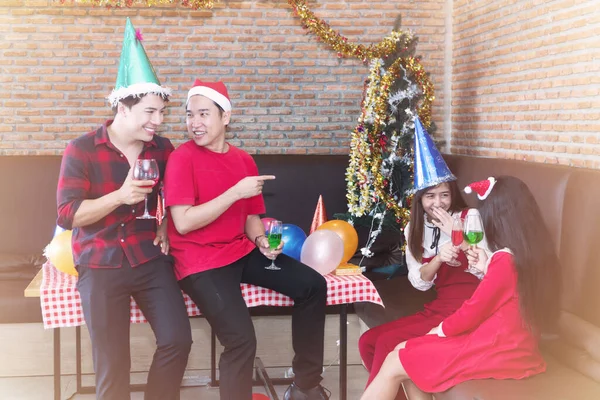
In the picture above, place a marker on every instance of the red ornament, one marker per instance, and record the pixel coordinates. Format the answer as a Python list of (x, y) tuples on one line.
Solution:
[(160, 207)]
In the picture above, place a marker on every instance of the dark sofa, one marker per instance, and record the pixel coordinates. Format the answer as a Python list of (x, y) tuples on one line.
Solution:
[(567, 197), (28, 205)]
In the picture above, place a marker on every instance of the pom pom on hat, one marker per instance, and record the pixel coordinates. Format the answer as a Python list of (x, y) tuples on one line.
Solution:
[(216, 91), (482, 188)]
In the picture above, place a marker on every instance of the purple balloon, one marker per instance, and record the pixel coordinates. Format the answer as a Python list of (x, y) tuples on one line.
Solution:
[(322, 251), (266, 221)]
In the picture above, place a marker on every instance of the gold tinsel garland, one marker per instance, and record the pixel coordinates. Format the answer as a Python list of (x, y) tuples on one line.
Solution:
[(365, 155), (340, 43), (195, 4), (364, 53), (366, 183)]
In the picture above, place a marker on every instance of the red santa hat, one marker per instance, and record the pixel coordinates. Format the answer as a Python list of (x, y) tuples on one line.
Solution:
[(482, 188), (216, 91)]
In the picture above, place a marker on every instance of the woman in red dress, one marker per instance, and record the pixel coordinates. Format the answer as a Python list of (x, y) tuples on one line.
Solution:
[(428, 250), (493, 334)]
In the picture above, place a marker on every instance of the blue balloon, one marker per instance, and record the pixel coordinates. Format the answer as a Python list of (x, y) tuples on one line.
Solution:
[(293, 238)]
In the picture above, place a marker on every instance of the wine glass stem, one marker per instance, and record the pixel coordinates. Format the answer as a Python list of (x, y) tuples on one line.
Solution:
[(146, 205)]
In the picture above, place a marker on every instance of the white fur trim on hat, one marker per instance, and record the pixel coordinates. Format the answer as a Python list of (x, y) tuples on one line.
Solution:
[(137, 89), (483, 188), (211, 94)]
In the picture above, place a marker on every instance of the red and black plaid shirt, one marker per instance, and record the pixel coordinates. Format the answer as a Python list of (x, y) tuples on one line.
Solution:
[(91, 168)]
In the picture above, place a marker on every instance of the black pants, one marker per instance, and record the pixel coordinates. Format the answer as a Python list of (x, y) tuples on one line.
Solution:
[(218, 296), (105, 296)]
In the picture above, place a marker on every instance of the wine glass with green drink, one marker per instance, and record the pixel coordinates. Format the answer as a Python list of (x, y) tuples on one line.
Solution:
[(473, 229), (274, 236), (472, 233)]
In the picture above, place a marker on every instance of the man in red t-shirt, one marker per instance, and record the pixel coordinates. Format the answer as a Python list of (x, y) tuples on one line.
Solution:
[(214, 195)]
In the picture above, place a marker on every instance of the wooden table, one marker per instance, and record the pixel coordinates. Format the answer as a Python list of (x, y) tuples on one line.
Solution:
[(33, 289)]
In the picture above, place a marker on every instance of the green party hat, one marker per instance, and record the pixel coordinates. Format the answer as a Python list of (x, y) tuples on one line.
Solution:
[(136, 75)]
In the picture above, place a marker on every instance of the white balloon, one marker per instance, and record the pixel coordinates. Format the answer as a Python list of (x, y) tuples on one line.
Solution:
[(322, 251)]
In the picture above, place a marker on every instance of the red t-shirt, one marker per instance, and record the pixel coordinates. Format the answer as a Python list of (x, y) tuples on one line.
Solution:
[(196, 175)]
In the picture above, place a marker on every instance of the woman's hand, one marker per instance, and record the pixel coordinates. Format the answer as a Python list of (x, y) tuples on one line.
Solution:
[(477, 258), (443, 220), (448, 252)]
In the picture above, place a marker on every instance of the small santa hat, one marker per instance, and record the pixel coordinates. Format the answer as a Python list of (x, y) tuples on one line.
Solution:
[(482, 188), (216, 91)]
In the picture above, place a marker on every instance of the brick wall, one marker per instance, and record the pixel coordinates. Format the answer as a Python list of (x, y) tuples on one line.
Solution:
[(526, 80), (290, 93), (514, 79)]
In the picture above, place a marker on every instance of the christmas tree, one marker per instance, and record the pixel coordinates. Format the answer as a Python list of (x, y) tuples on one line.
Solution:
[(379, 174), (397, 90)]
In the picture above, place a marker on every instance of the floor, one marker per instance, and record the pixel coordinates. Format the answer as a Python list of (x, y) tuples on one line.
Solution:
[(41, 388)]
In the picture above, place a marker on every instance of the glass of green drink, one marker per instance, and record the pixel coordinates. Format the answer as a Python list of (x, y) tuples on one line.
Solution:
[(473, 234), (473, 229), (274, 236)]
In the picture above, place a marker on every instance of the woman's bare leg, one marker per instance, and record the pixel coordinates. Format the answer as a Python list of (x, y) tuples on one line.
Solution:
[(414, 393), (386, 384)]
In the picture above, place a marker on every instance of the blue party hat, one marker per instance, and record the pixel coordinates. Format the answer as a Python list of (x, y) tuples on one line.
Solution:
[(430, 169)]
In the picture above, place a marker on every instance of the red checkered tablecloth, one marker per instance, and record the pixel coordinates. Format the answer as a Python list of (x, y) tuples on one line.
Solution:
[(61, 305)]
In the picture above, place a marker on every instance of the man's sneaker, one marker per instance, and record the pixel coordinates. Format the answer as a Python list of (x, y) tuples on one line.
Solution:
[(293, 392)]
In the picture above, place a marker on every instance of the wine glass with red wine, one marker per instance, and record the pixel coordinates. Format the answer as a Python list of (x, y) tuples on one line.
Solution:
[(146, 170)]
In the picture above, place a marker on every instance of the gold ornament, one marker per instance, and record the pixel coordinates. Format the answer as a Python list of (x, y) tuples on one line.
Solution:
[(195, 4)]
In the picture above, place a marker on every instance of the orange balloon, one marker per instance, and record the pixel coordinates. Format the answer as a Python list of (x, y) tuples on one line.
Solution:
[(348, 235), (60, 253)]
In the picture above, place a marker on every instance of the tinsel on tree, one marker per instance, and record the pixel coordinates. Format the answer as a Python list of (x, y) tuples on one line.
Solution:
[(380, 176)]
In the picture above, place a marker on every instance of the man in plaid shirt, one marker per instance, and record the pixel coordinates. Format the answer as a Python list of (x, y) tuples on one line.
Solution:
[(118, 255)]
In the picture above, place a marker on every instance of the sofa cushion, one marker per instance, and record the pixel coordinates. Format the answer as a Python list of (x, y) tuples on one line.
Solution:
[(558, 382), (19, 266), (292, 197), (580, 251), (578, 346), (29, 202), (547, 183)]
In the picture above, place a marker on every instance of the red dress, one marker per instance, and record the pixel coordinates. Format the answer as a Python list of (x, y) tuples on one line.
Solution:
[(453, 286), (485, 338)]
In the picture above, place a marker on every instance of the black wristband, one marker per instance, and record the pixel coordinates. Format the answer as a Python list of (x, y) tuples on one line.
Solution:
[(256, 238)]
